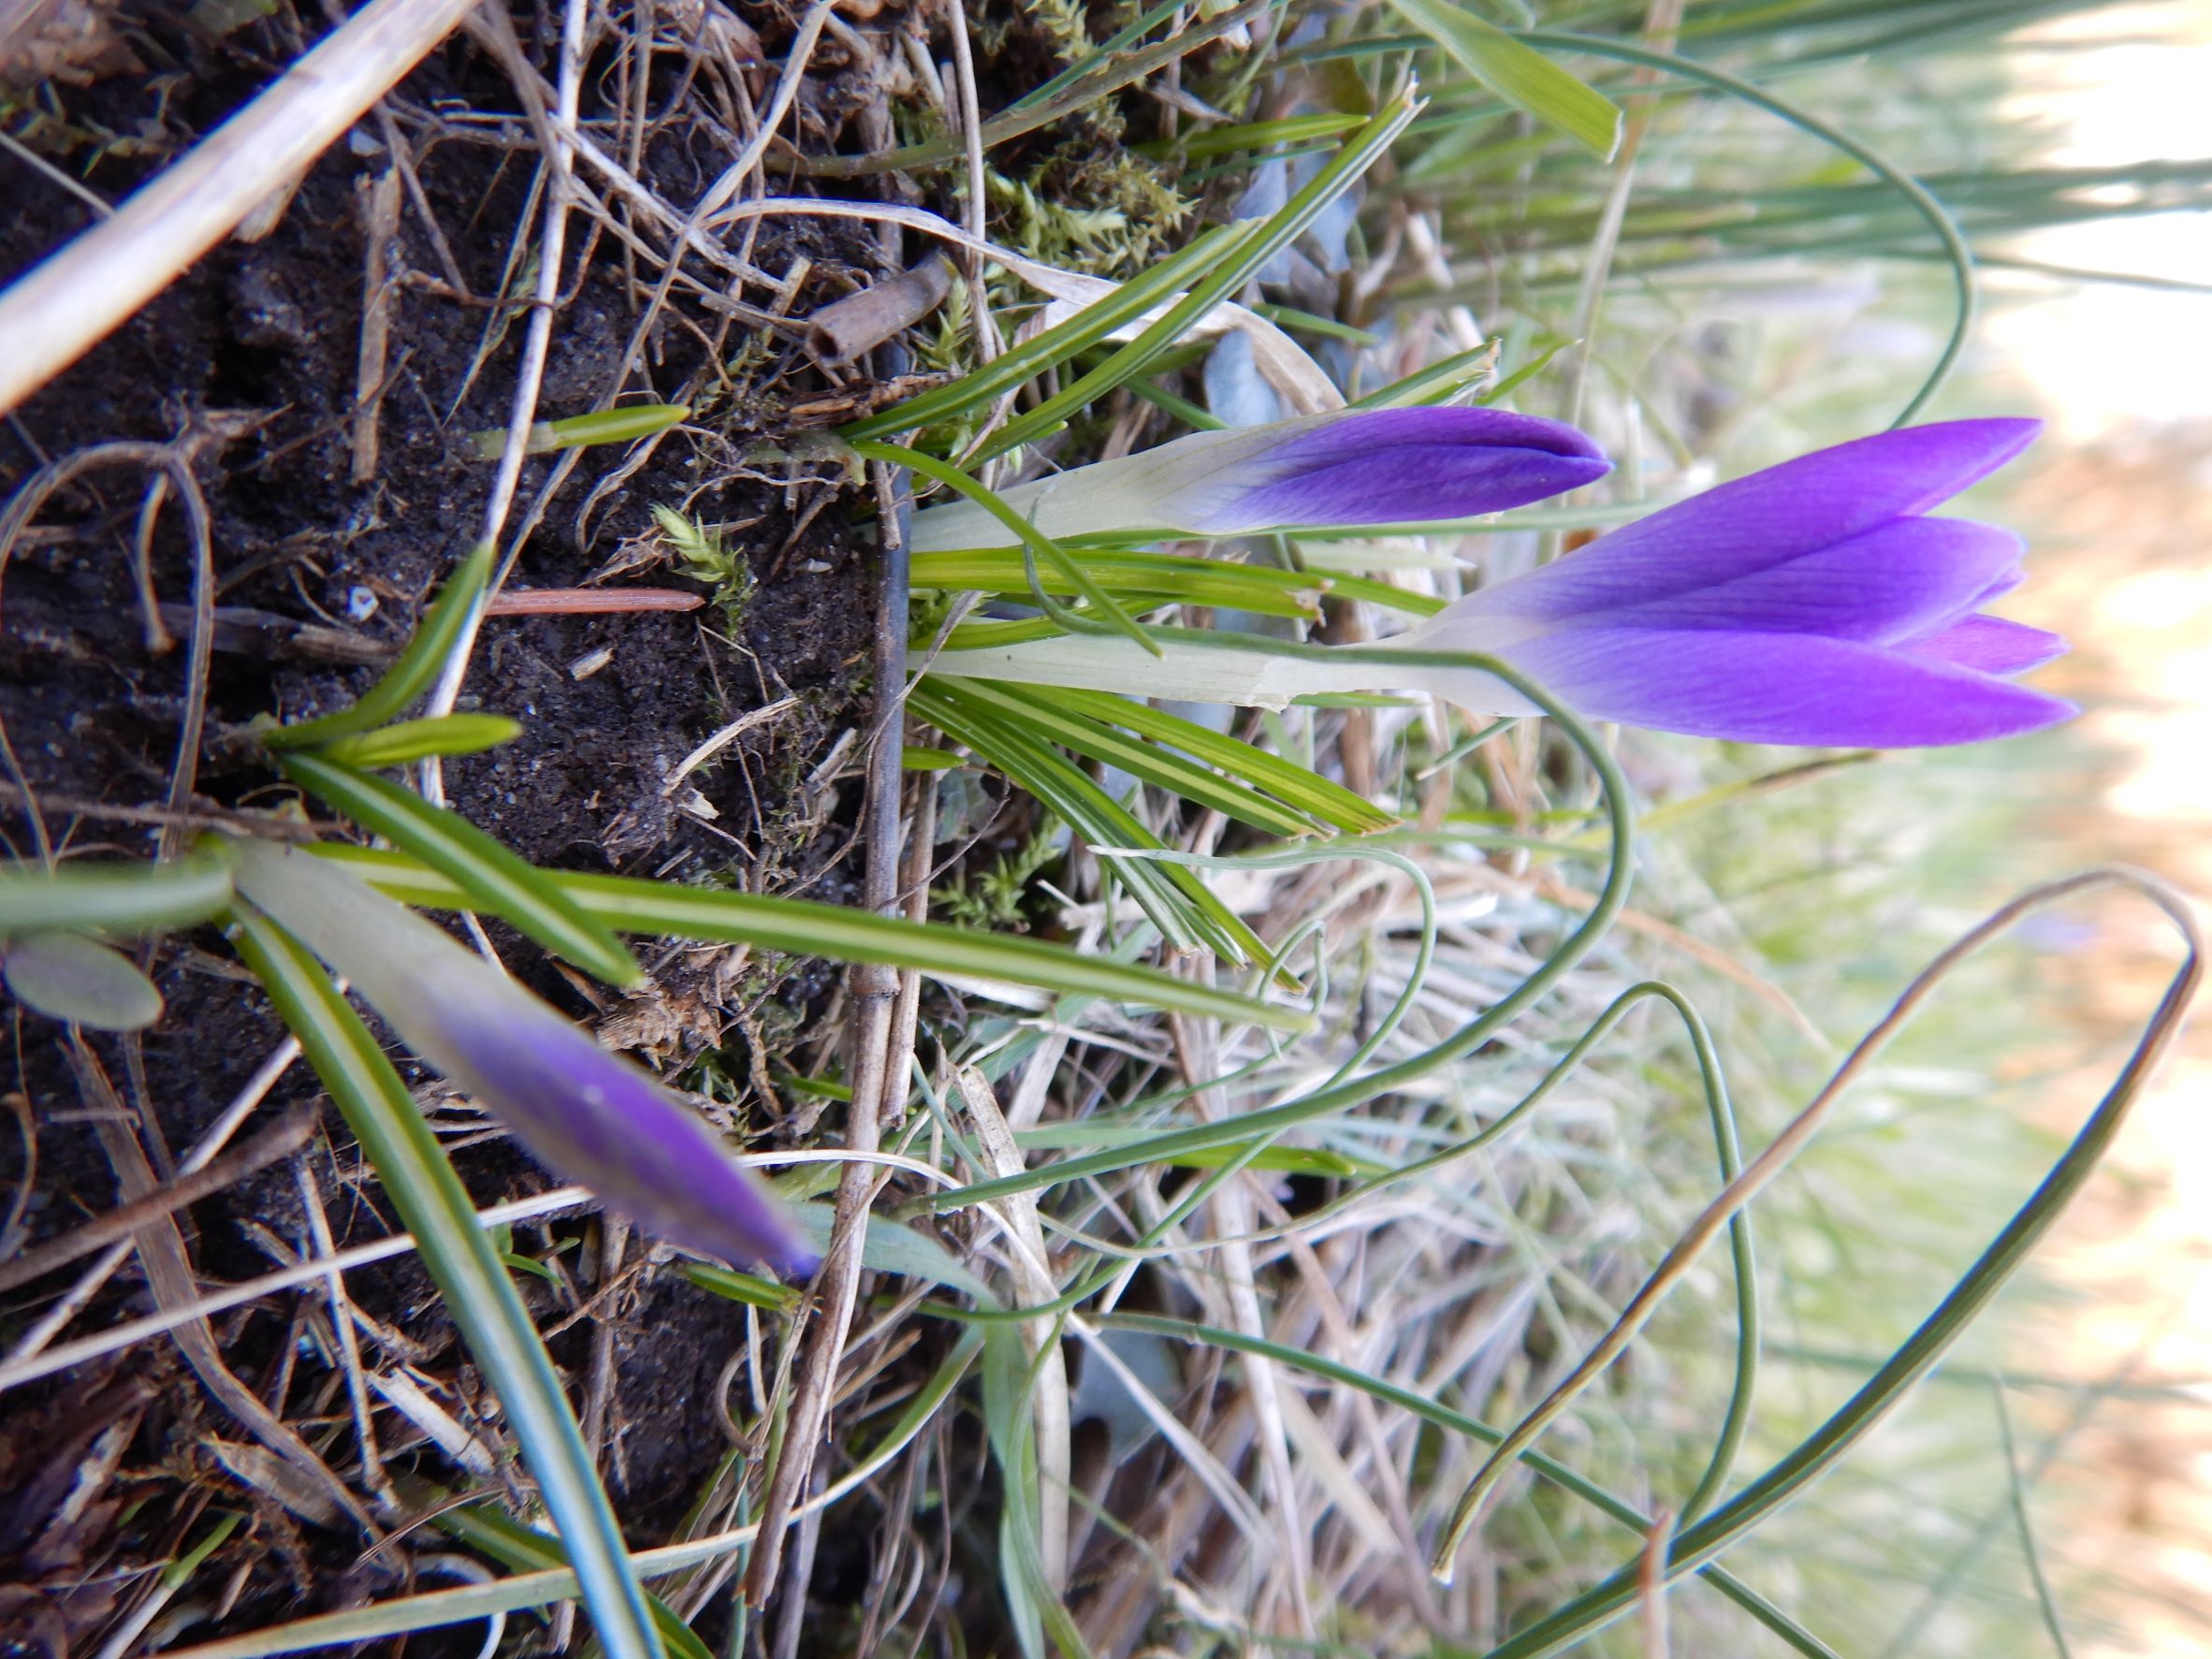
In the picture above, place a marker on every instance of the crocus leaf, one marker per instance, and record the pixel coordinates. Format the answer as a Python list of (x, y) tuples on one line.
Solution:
[(1090, 736), (412, 741), (418, 664), (1520, 74), (493, 875), (1060, 342), (1286, 780), (1149, 578), (479, 1294), (608, 426), (1180, 905), (840, 931), (112, 897), (1044, 547), (891, 1248), (65, 976), (523, 1550), (1267, 236)]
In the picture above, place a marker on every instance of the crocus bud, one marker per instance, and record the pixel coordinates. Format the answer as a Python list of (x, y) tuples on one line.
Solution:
[(1814, 603), (1348, 467), (589, 1115)]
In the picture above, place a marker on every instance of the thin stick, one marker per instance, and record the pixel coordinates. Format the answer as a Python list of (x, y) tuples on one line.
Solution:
[(280, 1140), (243, 1106), (347, 1344), (723, 739), (65, 305), (1650, 1582), (874, 999), (590, 602), (15, 1371), (380, 221), (523, 411)]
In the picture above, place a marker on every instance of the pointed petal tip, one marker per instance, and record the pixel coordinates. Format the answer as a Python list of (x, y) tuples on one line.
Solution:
[(1990, 645), (1798, 689)]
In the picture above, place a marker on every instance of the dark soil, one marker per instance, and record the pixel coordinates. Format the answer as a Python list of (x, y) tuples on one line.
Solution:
[(247, 366)]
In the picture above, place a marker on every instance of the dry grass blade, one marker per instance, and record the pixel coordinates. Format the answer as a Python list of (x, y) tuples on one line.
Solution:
[(168, 1270), (53, 315), (279, 1141), (1682, 1256)]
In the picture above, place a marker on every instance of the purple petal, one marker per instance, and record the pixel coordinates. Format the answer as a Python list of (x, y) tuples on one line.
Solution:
[(1762, 520), (1900, 578), (1989, 645), (594, 1118), (1779, 688), (1374, 466)]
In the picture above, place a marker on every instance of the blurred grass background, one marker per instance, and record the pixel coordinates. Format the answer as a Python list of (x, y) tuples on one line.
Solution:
[(1931, 1541)]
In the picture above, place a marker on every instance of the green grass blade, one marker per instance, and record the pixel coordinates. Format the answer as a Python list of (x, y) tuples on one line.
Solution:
[(414, 740), (1946, 232), (1826, 1445), (1087, 735), (606, 426), (1179, 904), (1079, 802), (1099, 75), (1518, 73), (1042, 546), (801, 927), (523, 1550), (493, 875), (1534, 987), (1286, 780), (112, 897), (1272, 234), (479, 1294), (433, 1608), (417, 666), (1056, 345)]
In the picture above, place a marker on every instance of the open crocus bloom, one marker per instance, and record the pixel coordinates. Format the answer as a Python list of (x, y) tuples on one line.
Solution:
[(1811, 604), (1352, 466), (589, 1115)]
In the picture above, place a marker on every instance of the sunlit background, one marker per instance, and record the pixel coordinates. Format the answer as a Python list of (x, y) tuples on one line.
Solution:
[(2113, 1362)]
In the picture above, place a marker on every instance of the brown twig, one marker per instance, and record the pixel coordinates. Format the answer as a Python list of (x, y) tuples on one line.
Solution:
[(279, 1141), (380, 225), (590, 602), (169, 1273), (874, 992)]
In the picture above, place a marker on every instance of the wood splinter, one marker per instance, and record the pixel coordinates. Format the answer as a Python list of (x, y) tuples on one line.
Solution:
[(840, 331)]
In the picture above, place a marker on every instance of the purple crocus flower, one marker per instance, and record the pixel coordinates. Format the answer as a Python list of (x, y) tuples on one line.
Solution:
[(1814, 603), (1808, 603), (1351, 466), (589, 1115)]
